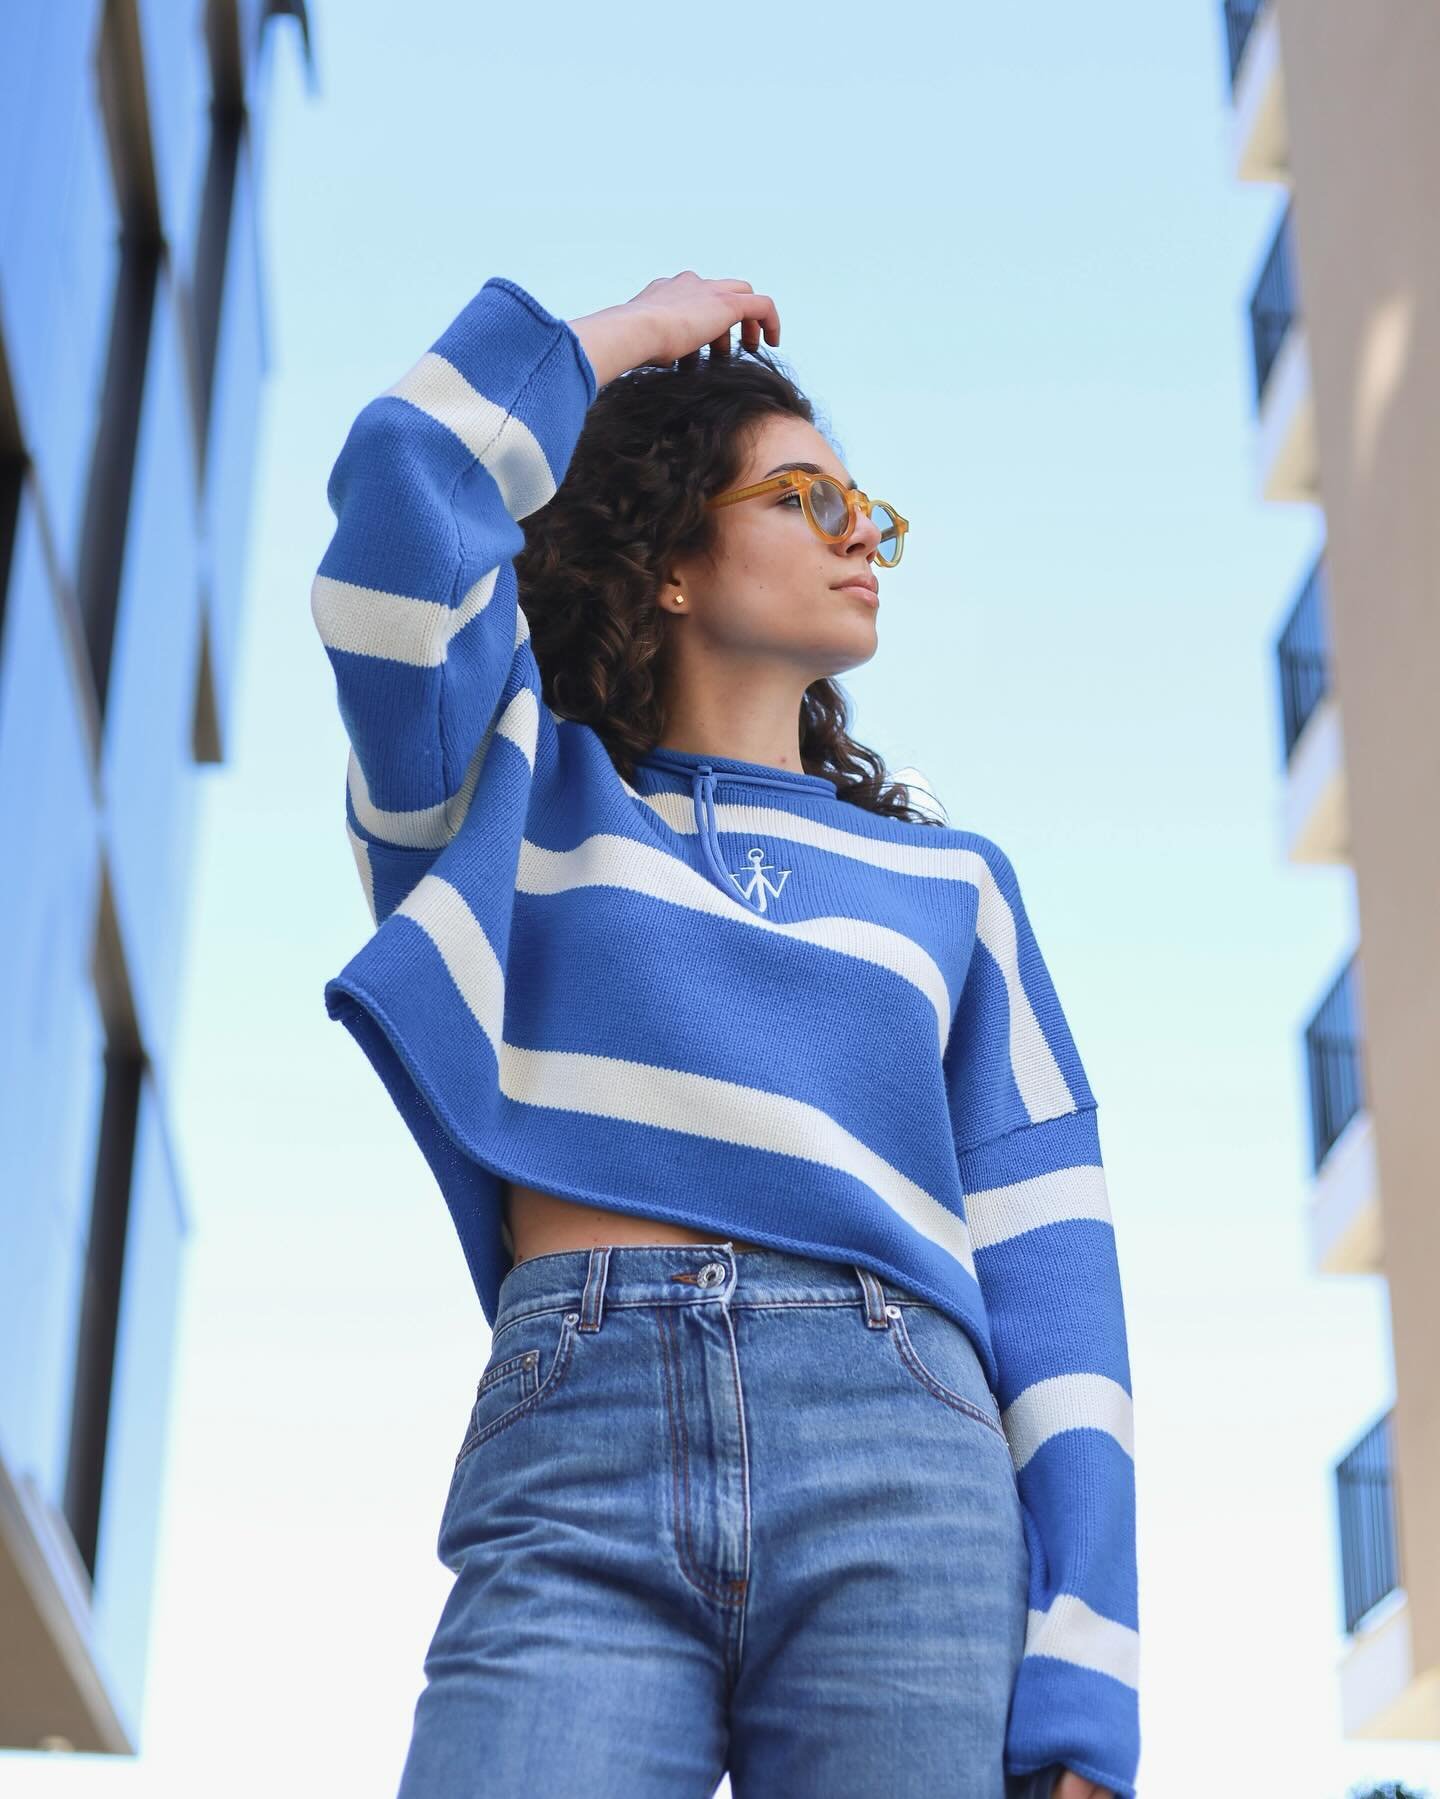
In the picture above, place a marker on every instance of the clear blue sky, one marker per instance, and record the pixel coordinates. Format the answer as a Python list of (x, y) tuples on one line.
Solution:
[(1012, 265)]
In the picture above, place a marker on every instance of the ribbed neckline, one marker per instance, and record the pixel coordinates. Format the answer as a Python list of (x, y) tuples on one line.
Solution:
[(785, 780)]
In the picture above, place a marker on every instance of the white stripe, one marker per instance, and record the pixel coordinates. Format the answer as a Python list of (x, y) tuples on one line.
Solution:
[(997, 1213), (1074, 1632), (1042, 1086), (362, 863), (934, 862), (426, 828), (365, 621), (501, 440), (1067, 1402), (603, 860), (671, 1099), (520, 723)]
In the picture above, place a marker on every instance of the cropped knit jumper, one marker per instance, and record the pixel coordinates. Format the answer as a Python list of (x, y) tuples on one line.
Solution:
[(720, 995)]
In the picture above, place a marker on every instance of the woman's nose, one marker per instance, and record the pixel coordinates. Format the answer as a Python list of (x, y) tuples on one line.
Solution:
[(866, 530)]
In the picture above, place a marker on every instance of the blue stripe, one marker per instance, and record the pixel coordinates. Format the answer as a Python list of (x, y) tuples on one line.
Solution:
[(1083, 1719), (1098, 1565), (1053, 1298)]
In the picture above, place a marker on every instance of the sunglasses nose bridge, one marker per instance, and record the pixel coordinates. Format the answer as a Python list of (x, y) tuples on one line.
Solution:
[(856, 500), (862, 502)]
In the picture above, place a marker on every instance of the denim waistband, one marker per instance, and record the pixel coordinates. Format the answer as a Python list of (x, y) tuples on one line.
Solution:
[(652, 1274)]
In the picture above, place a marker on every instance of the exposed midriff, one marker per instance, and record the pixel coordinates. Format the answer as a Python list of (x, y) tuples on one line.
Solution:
[(544, 1224)]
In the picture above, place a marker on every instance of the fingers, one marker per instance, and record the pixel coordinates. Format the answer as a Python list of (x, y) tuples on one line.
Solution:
[(760, 314), (756, 315)]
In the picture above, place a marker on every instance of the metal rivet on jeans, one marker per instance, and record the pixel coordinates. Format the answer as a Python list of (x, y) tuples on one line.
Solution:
[(572, 1317), (892, 1311)]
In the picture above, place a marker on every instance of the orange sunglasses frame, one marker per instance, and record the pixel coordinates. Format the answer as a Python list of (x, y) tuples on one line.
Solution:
[(802, 481)]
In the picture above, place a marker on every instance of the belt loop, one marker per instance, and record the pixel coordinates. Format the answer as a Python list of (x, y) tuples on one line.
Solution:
[(874, 1299), (592, 1302)]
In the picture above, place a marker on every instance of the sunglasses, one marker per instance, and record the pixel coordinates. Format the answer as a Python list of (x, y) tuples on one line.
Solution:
[(830, 509)]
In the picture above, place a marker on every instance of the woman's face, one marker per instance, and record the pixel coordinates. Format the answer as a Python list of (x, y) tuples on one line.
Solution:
[(771, 587)]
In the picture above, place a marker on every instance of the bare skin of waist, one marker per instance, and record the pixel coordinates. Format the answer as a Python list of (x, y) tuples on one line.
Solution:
[(544, 1224)]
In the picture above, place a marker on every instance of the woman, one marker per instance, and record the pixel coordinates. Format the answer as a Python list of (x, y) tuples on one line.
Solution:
[(804, 1445)]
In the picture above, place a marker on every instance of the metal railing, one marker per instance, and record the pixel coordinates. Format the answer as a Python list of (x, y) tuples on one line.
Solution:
[(1275, 303), (1240, 17), (1365, 1502), (1333, 1060), (1302, 658)]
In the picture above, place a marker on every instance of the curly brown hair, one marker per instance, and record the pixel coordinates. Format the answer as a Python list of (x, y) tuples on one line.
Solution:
[(656, 442)]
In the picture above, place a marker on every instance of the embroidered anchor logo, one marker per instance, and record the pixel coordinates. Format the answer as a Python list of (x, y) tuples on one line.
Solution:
[(757, 887)]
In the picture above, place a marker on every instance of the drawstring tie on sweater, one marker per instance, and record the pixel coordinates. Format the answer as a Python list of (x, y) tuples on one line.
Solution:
[(705, 775)]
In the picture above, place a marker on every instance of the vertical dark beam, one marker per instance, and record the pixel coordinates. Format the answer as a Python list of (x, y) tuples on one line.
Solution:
[(12, 475), (120, 73), (120, 76), (112, 468), (103, 1281), (100, 1306), (212, 251)]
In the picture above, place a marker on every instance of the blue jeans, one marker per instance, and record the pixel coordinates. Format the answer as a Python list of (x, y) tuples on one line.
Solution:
[(719, 1510)]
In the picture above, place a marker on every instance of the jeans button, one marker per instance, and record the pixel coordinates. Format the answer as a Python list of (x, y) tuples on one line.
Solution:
[(712, 1272)]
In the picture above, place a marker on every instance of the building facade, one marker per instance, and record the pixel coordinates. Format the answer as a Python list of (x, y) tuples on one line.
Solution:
[(1333, 103), (132, 350)]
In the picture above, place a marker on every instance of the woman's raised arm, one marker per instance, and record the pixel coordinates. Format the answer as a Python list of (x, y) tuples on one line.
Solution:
[(416, 597)]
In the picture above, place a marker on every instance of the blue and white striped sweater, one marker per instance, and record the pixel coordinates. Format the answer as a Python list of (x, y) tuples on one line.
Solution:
[(721, 995)]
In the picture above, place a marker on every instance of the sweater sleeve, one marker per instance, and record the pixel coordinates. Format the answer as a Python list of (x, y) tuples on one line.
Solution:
[(1027, 1143), (415, 598)]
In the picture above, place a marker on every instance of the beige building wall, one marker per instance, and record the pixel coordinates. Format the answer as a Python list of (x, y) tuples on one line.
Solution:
[(1362, 107)]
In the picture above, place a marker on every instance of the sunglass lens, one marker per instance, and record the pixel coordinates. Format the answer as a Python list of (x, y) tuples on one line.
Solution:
[(888, 549), (828, 504)]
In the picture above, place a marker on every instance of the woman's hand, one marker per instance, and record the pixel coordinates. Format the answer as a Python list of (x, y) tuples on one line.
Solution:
[(670, 318), (1071, 1785)]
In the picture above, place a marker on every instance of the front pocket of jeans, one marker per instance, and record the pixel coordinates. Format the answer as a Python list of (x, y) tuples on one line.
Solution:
[(529, 1358), (945, 1355)]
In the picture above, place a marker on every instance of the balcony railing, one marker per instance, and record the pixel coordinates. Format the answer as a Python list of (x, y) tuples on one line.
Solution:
[(1365, 1500), (1240, 16), (1274, 305), (1333, 1060), (1302, 655)]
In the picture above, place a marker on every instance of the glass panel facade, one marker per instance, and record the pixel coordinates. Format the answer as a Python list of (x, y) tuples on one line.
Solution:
[(105, 139)]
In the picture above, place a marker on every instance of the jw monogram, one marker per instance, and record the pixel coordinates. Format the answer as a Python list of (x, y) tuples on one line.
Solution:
[(757, 888)]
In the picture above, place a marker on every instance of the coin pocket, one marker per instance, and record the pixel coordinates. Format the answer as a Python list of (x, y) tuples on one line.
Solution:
[(528, 1358)]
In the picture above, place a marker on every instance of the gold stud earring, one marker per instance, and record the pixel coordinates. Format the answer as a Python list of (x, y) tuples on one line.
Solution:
[(679, 599)]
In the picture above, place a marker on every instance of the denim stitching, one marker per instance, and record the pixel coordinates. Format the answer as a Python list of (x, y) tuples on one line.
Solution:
[(738, 1304), (740, 1586), (955, 1400), (682, 1459), (680, 1468), (558, 1368), (521, 1360)]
